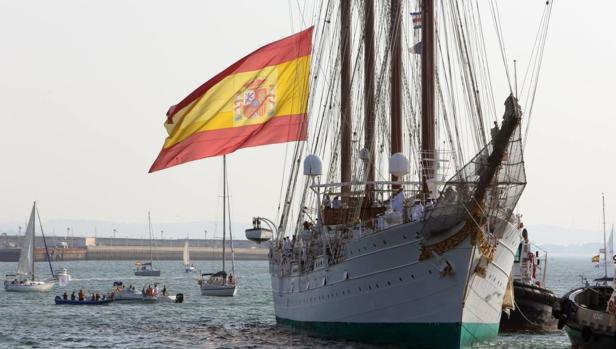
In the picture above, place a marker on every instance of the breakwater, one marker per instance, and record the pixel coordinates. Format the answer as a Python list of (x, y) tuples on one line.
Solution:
[(134, 253)]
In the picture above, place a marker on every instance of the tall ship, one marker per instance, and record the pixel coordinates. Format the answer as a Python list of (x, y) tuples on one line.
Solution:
[(408, 234)]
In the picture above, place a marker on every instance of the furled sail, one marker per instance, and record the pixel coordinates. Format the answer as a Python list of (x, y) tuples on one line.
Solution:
[(26, 258), (186, 255)]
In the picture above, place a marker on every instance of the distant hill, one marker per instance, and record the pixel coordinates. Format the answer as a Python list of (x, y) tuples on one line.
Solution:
[(561, 241)]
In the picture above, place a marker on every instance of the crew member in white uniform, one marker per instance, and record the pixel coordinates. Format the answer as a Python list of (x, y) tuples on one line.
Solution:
[(417, 211)]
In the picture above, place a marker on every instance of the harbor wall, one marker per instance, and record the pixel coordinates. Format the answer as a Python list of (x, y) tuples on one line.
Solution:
[(133, 253), (171, 253)]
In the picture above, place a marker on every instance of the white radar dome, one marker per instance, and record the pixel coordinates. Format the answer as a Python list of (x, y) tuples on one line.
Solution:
[(398, 165), (312, 165)]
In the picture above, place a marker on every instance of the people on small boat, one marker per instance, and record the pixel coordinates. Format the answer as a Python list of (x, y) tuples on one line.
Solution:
[(73, 296), (164, 290), (231, 281), (82, 296), (64, 296)]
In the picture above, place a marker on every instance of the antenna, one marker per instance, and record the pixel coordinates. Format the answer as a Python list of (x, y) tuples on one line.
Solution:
[(604, 237), (515, 77)]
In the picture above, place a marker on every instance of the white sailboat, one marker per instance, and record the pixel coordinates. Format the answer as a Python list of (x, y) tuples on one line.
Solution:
[(24, 279), (221, 284), (188, 266), (147, 268)]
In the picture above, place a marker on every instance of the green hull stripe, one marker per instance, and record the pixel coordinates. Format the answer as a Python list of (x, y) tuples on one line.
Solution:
[(417, 335)]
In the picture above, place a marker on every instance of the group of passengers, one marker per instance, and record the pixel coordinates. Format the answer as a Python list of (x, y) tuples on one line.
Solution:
[(81, 296), (18, 282), (397, 203), (154, 291), (288, 244)]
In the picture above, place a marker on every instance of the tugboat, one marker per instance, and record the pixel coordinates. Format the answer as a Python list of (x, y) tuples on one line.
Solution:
[(532, 303), (585, 316), (588, 314)]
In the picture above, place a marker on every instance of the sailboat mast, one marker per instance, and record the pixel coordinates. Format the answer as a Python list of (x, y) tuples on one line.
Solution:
[(345, 95), (150, 230), (396, 79), (224, 208), (44, 242), (427, 94), (33, 239), (604, 237), (369, 88)]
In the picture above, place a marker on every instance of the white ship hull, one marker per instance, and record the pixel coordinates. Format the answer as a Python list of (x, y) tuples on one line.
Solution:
[(382, 292)]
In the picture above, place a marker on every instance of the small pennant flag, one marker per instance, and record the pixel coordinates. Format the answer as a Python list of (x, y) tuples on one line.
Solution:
[(417, 21), (596, 259)]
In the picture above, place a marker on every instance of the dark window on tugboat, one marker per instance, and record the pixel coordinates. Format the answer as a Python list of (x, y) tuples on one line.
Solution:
[(518, 254)]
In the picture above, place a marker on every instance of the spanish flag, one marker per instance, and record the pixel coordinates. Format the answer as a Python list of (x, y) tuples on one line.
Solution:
[(260, 99)]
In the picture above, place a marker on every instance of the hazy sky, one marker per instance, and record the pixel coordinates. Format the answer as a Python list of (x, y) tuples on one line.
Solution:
[(84, 87)]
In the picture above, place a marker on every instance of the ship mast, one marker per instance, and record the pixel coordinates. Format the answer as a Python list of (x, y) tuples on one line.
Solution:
[(604, 239), (396, 80), (224, 208), (427, 94), (369, 89), (345, 95)]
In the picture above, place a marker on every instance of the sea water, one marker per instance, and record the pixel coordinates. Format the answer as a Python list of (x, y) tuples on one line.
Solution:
[(32, 320)]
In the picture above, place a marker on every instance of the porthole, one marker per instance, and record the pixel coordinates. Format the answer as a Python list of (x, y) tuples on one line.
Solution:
[(388, 283), (400, 279), (384, 242), (412, 276), (404, 237)]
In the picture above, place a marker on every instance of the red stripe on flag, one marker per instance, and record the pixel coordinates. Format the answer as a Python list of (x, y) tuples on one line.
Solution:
[(277, 52), (223, 141)]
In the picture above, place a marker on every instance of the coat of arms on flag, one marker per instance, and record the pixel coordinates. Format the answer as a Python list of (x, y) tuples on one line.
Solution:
[(257, 99), (596, 259)]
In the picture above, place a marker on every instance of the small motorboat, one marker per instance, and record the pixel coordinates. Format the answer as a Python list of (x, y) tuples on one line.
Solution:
[(62, 276), (60, 301), (150, 295), (583, 314), (257, 233)]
